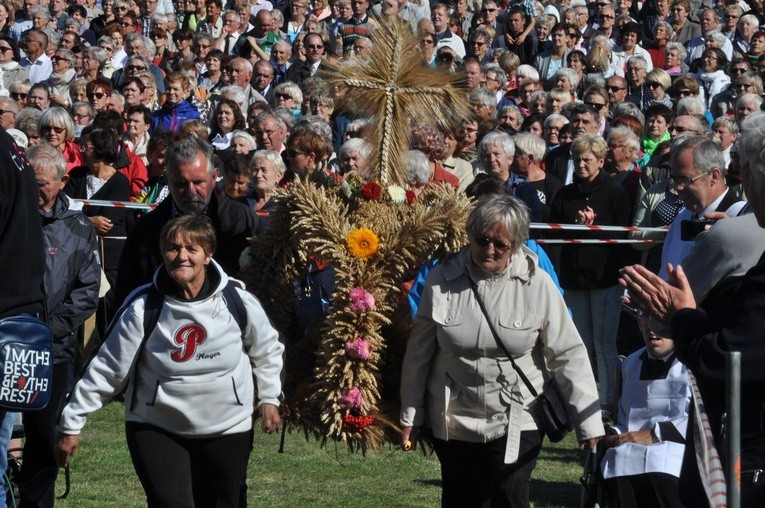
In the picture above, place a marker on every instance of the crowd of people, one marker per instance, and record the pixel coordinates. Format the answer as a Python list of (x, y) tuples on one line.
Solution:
[(586, 112)]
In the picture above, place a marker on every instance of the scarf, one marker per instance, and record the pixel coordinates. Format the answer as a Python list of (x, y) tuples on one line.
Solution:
[(649, 145), (10, 66), (61, 79)]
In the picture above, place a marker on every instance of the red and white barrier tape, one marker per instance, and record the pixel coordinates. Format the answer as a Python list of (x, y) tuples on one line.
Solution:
[(582, 227), (116, 204), (595, 240)]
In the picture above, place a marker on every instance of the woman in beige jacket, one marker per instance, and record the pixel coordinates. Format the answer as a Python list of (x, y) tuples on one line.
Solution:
[(458, 382)]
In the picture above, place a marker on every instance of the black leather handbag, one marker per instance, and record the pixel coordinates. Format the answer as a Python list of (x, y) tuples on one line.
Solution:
[(556, 421)]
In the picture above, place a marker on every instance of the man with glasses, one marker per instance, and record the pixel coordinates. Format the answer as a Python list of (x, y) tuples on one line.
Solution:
[(136, 45), (697, 173), (314, 53), (444, 36), (607, 22), (270, 132), (617, 91), (39, 65)]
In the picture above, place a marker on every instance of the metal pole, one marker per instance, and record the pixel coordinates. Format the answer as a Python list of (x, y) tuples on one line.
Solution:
[(733, 427)]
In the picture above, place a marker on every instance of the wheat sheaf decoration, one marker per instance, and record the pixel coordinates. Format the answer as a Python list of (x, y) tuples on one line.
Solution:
[(342, 376)]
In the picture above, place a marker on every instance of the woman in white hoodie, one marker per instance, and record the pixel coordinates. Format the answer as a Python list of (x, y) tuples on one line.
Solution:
[(186, 349)]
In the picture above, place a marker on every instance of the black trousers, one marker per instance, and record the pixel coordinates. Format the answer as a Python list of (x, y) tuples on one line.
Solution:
[(475, 475), (658, 490), (38, 467), (179, 472)]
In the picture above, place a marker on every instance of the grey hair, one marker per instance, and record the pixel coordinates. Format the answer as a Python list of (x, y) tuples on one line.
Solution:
[(553, 117), (160, 18), (57, 117), (676, 46), (531, 144), (749, 19), (67, 54), (594, 79), (315, 124), (73, 23), (640, 60), (233, 92), (727, 122), (496, 138), (484, 96), (499, 73), (417, 167), (526, 71), (275, 158), (39, 9), (503, 209), (751, 147), (83, 104), (120, 98), (707, 155), (630, 109), (284, 43), (755, 78), (286, 116), (105, 38), (290, 89), (246, 135), (151, 48), (265, 115), (133, 37), (749, 98), (667, 27), (45, 156), (247, 64), (690, 106), (97, 54), (569, 74), (625, 134), (717, 36), (186, 150), (602, 40), (364, 149)]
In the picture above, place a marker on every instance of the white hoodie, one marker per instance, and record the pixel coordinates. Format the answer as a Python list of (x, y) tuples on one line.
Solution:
[(194, 377)]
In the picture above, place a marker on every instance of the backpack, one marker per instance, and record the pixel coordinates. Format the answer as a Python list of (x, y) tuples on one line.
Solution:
[(26, 359)]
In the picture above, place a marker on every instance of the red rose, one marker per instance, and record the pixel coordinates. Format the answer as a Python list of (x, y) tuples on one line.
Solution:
[(410, 197), (371, 191)]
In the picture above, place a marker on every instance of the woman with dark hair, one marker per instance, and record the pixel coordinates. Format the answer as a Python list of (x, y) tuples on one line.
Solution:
[(307, 153), (657, 119), (9, 62), (99, 179), (227, 118), (161, 56), (712, 74), (132, 90), (533, 124)]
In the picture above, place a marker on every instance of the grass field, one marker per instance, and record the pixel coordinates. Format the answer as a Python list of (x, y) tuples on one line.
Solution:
[(305, 474)]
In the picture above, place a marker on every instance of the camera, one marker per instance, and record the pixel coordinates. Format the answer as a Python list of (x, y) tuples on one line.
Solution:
[(690, 229)]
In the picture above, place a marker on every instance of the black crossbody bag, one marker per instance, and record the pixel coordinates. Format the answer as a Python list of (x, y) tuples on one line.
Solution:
[(556, 421)]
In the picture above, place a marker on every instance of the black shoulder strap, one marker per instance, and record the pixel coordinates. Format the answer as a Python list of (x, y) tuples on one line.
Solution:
[(498, 341), (152, 308), (235, 304)]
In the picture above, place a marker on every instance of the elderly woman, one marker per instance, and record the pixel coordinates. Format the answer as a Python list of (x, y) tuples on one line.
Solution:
[(430, 141), (621, 160), (57, 129), (176, 110), (93, 60), (588, 273), (746, 105), (457, 377), (99, 92), (657, 82), (510, 119), (226, 119), (267, 169), (685, 29), (567, 79), (9, 62), (551, 129), (353, 156), (189, 447), (62, 77), (288, 95), (496, 151), (730, 320), (242, 142), (138, 121), (78, 90), (530, 151), (149, 96)]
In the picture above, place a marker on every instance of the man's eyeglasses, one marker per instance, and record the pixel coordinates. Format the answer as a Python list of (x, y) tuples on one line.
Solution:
[(676, 182), (596, 105), (3, 49), (484, 241), (135, 68), (614, 88)]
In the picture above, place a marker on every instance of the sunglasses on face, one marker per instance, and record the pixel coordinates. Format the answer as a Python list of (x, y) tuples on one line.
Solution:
[(19, 95), (50, 128), (484, 241), (135, 68), (96, 95)]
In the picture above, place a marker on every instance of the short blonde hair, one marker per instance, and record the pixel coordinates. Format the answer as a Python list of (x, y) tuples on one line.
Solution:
[(589, 143), (659, 76)]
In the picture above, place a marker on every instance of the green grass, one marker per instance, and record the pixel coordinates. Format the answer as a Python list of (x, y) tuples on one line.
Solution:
[(305, 474)]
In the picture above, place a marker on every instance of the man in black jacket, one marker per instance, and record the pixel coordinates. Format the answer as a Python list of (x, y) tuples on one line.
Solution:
[(191, 179), (72, 280), (558, 161)]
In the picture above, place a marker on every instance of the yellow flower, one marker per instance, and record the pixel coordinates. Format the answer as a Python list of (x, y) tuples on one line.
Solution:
[(362, 243)]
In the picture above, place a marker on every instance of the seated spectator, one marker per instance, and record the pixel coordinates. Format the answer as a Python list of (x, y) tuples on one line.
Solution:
[(57, 129), (675, 56), (353, 157), (642, 463)]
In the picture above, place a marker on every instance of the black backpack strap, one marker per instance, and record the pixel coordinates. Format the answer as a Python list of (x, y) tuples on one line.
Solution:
[(235, 304), (152, 308)]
